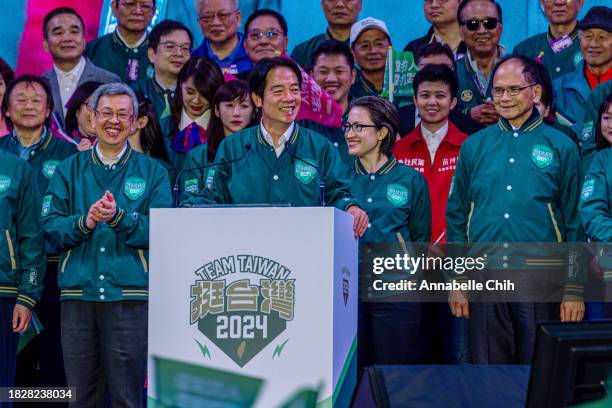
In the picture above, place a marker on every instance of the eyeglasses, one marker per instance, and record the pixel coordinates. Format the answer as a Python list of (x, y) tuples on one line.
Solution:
[(223, 16), (131, 5), (357, 127), (499, 91), (108, 115), (258, 35), (170, 47), (489, 23)]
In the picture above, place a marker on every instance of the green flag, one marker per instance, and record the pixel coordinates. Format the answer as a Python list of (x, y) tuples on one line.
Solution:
[(399, 74)]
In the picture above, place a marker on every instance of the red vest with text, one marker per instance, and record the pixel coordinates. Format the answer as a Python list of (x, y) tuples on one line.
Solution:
[(412, 151)]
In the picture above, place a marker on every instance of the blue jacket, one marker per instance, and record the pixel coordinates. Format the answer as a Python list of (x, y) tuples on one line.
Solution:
[(571, 93)]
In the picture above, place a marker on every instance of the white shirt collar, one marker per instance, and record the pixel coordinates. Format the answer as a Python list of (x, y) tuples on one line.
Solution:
[(138, 43), (433, 139), (77, 71), (114, 160), (201, 121), (284, 137)]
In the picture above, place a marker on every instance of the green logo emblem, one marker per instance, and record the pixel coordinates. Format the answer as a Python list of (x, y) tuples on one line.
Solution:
[(587, 189), (5, 182), (305, 173), (578, 58), (48, 168), (134, 187), (242, 303), (46, 205), (467, 95), (210, 177), (542, 156), (587, 130), (397, 194), (191, 186)]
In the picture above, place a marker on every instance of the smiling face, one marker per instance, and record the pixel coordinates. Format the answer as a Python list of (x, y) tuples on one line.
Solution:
[(169, 57), (606, 124), (235, 115), (65, 41), (272, 43), (28, 108), (84, 120), (481, 42), (114, 121), (334, 74), (281, 98), (194, 103), (369, 139), (561, 11), (434, 102), (370, 50), (515, 108), (596, 47), (341, 12), (219, 20)]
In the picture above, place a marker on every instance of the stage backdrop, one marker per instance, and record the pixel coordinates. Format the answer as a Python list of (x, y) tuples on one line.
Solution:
[(21, 22)]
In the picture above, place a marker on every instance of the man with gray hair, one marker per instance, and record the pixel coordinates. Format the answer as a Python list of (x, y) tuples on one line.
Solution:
[(96, 211), (219, 21)]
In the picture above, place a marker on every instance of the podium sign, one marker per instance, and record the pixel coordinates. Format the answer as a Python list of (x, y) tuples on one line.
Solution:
[(259, 296)]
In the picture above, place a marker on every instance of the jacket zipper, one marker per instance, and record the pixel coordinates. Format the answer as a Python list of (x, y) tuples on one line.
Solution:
[(66, 260), (11, 250), (143, 260)]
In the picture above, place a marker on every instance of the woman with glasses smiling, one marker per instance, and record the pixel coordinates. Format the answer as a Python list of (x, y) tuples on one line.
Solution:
[(396, 199)]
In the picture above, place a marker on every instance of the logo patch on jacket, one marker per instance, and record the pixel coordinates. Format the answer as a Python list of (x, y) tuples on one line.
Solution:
[(48, 168), (587, 130), (134, 187), (210, 177), (305, 173), (191, 186), (5, 183), (397, 194), (46, 205), (542, 156), (578, 58), (467, 95), (587, 189)]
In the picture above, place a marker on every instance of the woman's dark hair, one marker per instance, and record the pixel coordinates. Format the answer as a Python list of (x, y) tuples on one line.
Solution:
[(207, 78), (230, 91), (6, 71), (600, 140), (78, 98), (151, 138), (30, 79), (384, 115)]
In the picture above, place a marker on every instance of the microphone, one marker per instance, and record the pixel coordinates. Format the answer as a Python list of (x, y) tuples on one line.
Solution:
[(176, 187), (321, 181)]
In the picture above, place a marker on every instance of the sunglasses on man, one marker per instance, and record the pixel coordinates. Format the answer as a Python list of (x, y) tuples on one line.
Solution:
[(489, 23)]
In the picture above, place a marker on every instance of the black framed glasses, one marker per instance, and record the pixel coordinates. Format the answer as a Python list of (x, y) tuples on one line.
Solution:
[(357, 127), (108, 115), (499, 91), (489, 23)]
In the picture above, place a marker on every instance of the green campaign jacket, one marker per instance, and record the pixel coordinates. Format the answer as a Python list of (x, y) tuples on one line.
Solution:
[(161, 98), (44, 158), (22, 248), (108, 263), (110, 53), (516, 186), (192, 182), (469, 93), (302, 53), (334, 135), (588, 144), (557, 64), (260, 177), (363, 87), (596, 198), (396, 199)]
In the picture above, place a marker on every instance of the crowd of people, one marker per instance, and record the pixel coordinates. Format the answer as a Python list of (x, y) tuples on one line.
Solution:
[(495, 146)]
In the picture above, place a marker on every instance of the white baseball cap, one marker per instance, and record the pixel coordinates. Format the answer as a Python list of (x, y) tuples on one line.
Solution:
[(365, 24)]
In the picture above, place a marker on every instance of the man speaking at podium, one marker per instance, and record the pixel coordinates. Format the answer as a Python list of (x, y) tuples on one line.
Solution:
[(279, 162)]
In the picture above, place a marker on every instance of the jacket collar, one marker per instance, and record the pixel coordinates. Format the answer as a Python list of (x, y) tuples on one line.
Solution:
[(122, 160), (532, 123), (41, 144), (383, 170), (573, 35), (453, 136), (292, 138)]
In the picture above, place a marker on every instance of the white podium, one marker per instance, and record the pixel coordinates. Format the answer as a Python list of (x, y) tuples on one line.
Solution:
[(252, 307)]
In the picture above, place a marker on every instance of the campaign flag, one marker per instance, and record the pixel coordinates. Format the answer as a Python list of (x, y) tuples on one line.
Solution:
[(399, 74)]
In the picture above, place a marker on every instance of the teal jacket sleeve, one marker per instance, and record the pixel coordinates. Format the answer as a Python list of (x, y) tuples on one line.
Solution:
[(337, 181), (131, 227), (595, 201), (458, 206), (420, 220), (62, 229), (216, 189), (571, 181), (192, 182), (30, 241)]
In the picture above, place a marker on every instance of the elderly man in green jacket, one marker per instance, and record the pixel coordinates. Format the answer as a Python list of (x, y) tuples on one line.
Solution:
[(22, 255), (97, 211), (278, 161), (517, 181)]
